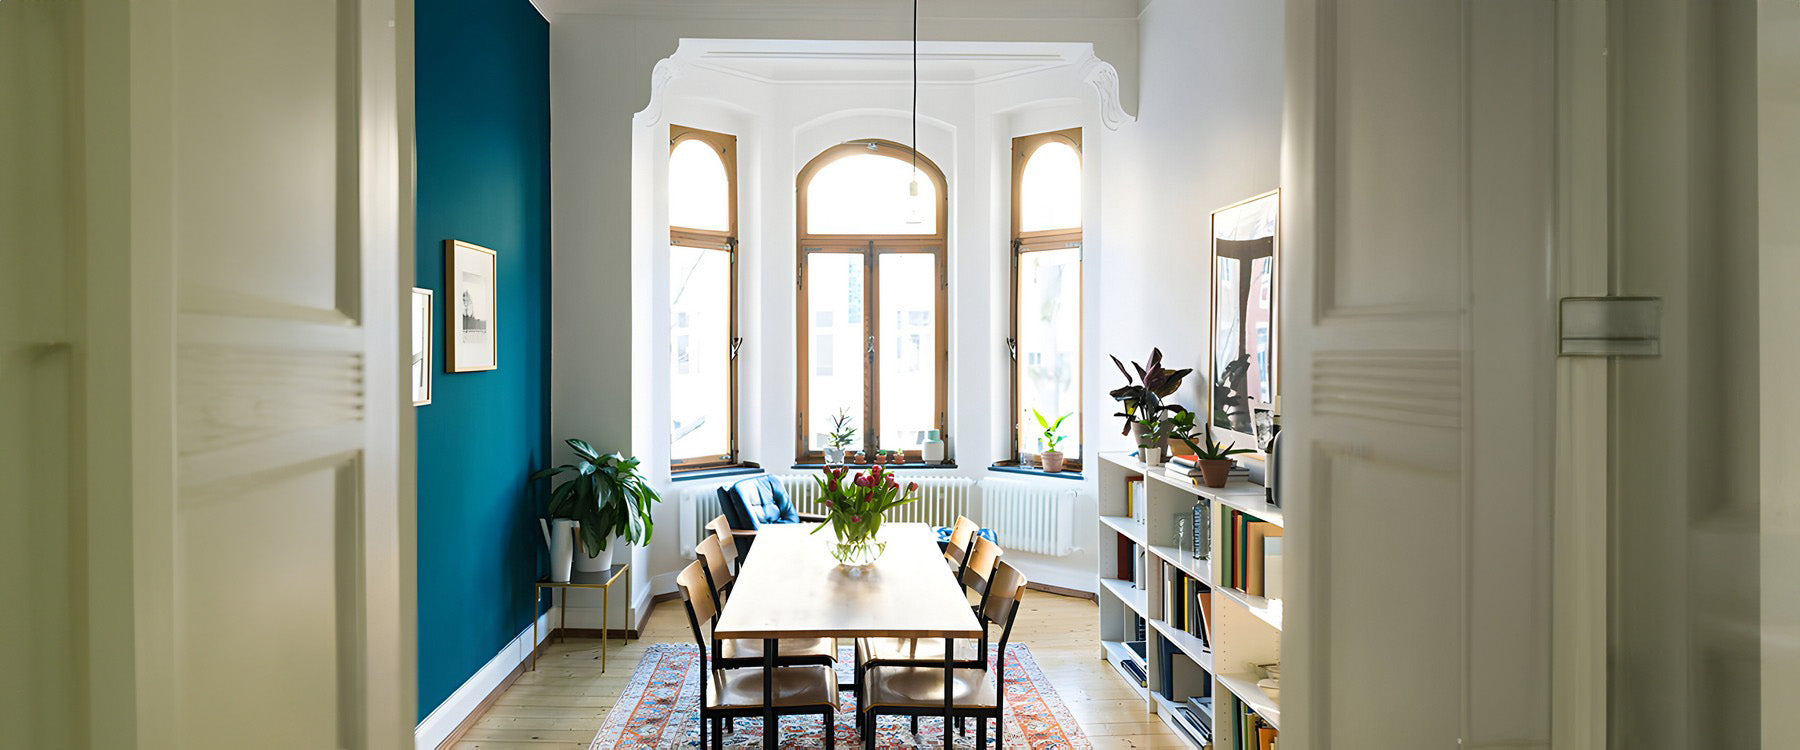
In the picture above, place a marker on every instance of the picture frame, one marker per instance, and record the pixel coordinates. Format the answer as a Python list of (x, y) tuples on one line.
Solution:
[(421, 345), (471, 307), (1262, 418), (1244, 331)]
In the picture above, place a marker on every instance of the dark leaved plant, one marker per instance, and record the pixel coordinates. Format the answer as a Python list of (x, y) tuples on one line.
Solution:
[(606, 494)]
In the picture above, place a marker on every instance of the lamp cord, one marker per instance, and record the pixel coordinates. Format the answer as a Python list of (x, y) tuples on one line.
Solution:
[(915, 90)]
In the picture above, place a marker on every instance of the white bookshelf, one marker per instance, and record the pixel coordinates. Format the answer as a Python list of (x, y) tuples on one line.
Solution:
[(1245, 629)]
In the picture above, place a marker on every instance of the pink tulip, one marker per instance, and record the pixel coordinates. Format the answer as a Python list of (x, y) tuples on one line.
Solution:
[(856, 519)]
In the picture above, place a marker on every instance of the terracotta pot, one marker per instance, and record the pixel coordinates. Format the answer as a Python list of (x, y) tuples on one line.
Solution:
[(1215, 472), (1052, 461)]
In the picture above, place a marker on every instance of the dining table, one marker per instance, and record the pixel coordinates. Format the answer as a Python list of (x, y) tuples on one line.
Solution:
[(790, 586)]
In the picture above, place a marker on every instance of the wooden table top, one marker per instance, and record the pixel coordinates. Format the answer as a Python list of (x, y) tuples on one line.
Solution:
[(791, 587)]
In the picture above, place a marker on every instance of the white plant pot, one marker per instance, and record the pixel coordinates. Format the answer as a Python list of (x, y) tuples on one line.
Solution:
[(559, 536), (598, 563), (834, 456), (1152, 454)]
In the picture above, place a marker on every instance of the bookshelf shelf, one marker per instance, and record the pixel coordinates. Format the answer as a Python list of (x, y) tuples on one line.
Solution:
[(1132, 528), (1266, 610), (1244, 687), (1187, 643), (1133, 597), (1144, 565)]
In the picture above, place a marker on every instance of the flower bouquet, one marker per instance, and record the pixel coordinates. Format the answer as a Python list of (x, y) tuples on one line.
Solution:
[(853, 510)]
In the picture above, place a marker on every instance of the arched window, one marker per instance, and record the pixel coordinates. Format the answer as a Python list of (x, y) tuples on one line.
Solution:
[(873, 331), (702, 298), (1046, 330)]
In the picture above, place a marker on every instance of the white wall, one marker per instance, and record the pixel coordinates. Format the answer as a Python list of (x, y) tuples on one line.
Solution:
[(1208, 134)]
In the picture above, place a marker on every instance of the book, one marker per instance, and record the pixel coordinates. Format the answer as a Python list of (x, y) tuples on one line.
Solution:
[(1126, 559), (1137, 672), (1254, 534), (1272, 567), (1202, 708), (1205, 602)]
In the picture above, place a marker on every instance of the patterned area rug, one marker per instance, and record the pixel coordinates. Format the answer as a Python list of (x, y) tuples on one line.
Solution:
[(661, 709)]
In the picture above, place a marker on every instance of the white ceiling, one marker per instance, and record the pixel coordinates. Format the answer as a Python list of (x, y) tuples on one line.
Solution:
[(816, 9), (816, 61)]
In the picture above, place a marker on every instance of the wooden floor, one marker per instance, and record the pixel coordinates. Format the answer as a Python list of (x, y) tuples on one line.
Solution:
[(562, 703)]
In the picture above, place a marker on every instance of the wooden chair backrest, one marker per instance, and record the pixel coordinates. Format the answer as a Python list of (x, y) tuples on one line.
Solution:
[(961, 533), (1005, 590), (718, 574), (721, 528), (696, 594), (978, 571)]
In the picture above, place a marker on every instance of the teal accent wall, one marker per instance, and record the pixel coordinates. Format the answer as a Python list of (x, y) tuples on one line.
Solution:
[(483, 98)]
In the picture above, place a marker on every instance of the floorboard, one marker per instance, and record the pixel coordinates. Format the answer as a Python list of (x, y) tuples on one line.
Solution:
[(562, 703)]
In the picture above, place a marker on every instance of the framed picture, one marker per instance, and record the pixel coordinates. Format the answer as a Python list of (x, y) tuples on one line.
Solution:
[(1263, 419), (1246, 329), (421, 346), (469, 308)]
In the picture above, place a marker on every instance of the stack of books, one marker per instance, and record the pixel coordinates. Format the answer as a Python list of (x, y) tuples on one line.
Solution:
[(1187, 605), (1253, 732), (1196, 716)]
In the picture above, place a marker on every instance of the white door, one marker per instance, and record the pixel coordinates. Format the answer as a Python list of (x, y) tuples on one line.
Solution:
[(37, 376), (271, 587), (1418, 182)]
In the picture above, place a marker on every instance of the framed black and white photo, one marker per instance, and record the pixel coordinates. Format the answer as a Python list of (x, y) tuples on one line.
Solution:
[(421, 346), (1246, 331), (1263, 419), (469, 308)]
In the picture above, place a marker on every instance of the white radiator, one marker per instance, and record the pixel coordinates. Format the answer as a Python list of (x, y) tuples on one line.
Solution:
[(1028, 516)]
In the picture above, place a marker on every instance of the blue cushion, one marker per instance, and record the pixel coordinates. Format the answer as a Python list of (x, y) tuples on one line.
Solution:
[(750, 503), (943, 535)]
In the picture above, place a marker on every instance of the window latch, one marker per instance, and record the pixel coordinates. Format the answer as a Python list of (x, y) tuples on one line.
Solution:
[(871, 349), (1012, 348), (737, 344)]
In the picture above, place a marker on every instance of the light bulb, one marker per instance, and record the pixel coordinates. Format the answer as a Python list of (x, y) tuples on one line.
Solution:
[(915, 208)]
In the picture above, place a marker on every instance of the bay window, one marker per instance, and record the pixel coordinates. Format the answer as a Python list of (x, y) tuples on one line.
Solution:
[(1045, 345), (702, 299), (871, 289)]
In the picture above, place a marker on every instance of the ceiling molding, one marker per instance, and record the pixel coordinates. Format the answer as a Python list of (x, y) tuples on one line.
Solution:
[(666, 71), (1105, 79)]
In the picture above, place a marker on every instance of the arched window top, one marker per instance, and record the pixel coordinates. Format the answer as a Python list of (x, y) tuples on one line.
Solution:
[(1050, 188), (861, 191), (699, 189)]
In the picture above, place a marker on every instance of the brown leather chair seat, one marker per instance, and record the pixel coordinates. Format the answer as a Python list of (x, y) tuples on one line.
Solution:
[(812, 685)]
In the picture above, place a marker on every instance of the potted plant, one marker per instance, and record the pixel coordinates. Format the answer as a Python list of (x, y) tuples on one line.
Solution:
[(1213, 458), (854, 510), (842, 432), (1050, 458), (1142, 397), (1150, 440), (607, 496)]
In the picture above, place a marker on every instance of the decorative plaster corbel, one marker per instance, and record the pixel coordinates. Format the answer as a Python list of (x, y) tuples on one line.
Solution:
[(1105, 79), (666, 71)]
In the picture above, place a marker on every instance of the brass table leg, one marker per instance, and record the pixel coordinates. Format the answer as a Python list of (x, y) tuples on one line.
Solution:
[(605, 610)]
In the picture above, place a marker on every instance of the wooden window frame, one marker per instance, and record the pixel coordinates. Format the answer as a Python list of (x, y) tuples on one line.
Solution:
[(871, 247), (726, 146), (1027, 242)]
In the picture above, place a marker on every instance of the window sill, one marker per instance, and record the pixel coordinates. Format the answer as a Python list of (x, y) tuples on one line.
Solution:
[(913, 465), (1036, 472), (694, 475)]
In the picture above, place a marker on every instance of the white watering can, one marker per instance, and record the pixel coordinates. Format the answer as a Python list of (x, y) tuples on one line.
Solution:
[(559, 536)]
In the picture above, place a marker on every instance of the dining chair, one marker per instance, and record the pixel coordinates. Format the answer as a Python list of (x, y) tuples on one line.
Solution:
[(975, 691), (742, 652), (730, 693), (977, 580), (721, 528), (961, 534)]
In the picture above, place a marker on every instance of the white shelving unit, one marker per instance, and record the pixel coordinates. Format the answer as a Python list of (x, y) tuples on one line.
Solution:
[(1245, 630)]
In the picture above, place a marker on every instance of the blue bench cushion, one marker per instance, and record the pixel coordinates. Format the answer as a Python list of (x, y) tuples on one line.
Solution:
[(943, 535), (750, 503)]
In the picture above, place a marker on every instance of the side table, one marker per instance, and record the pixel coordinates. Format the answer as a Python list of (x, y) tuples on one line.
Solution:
[(602, 580)]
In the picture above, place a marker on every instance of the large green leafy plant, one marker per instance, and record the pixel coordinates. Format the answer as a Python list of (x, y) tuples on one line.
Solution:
[(606, 494)]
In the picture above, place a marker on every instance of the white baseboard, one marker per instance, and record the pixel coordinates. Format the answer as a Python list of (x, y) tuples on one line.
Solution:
[(449, 715)]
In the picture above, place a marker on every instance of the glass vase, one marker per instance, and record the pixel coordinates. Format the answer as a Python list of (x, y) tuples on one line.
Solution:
[(857, 553)]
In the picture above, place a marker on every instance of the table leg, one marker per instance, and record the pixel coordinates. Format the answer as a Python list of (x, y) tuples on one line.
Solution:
[(537, 597), (771, 731), (628, 600), (949, 693), (605, 610)]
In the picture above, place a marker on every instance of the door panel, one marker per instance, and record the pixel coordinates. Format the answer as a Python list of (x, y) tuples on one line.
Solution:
[(1417, 173), (275, 197)]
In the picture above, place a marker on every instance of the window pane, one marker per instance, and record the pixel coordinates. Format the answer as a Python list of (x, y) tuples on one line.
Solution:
[(909, 357), (1050, 190), (1050, 346), (699, 193), (869, 194), (700, 343), (834, 299)]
